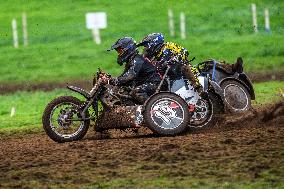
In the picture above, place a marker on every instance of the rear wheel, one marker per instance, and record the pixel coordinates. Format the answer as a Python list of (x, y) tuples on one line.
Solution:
[(207, 112), (58, 119), (237, 97), (166, 114)]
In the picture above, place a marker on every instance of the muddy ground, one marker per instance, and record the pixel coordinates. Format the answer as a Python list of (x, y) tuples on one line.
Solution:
[(243, 149), (6, 88)]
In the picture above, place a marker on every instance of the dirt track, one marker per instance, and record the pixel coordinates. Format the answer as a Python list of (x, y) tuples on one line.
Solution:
[(245, 148)]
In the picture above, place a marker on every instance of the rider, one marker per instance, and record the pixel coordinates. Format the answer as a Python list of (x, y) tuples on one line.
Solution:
[(138, 72), (156, 50)]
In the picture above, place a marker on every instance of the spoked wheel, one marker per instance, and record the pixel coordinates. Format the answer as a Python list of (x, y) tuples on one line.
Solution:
[(202, 114), (60, 120), (166, 114), (237, 97), (207, 112)]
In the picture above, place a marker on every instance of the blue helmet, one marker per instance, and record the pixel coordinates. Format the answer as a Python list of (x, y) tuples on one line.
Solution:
[(152, 43)]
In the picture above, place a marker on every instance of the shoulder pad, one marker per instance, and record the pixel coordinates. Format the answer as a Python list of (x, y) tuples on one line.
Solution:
[(138, 59)]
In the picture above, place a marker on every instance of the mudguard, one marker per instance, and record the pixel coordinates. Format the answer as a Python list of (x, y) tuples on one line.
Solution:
[(80, 91), (248, 83)]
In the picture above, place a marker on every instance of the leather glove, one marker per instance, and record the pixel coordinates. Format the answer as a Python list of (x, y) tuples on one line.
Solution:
[(113, 81)]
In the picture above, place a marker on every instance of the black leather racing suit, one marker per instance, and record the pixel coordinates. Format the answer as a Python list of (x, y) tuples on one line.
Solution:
[(141, 74)]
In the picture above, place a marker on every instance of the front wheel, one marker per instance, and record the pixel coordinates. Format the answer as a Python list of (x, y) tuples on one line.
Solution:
[(237, 97), (59, 120), (166, 114)]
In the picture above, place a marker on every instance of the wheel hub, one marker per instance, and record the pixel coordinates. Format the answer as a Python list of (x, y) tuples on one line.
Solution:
[(201, 110), (236, 97), (64, 119), (167, 113)]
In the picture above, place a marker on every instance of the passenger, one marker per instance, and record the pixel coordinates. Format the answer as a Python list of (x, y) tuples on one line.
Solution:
[(159, 52)]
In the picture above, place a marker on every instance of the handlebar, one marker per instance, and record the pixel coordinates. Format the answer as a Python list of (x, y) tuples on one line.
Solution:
[(101, 75)]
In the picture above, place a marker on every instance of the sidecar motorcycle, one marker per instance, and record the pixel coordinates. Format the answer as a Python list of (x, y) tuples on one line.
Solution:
[(174, 108)]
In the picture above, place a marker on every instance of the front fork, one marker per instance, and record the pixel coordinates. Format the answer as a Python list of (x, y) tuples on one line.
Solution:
[(83, 109)]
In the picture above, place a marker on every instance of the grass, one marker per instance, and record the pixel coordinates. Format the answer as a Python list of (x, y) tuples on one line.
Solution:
[(268, 92), (61, 48), (183, 182), (28, 112), (30, 105), (154, 181), (164, 182)]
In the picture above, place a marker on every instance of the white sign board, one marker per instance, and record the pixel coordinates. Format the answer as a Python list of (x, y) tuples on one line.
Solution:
[(96, 20)]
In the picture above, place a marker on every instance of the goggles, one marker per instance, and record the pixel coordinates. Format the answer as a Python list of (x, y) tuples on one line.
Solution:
[(119, 50)]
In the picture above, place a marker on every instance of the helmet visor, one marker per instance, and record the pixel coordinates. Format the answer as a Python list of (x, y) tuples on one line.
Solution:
[(119, 50)]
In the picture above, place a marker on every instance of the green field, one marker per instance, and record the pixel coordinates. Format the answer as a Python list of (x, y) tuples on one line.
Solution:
[(61, 48), (29, 112)]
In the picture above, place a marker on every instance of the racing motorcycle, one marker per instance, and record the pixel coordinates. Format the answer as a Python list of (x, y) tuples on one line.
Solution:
[(67, 118)]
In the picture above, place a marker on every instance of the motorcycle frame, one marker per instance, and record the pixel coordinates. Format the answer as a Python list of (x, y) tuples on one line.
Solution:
[(91, 100)]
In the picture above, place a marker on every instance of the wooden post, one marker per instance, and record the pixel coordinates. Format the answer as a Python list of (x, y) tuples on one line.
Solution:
[(281, 93), (13, 111), (171, 22), (182, 26), (96, 35), (267, 23), (25, 31), (15, 33), (254, 19)]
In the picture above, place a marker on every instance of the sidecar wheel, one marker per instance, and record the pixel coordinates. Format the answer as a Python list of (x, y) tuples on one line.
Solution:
[(166, 114), (56, 120), (237, 97)]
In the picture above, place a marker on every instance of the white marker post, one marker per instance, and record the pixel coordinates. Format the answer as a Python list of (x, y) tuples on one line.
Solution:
[(254, 19), (15, 33), (96, 36), (171, 22), (182, 26), (267, 23), (25, 30), (13, 111), (281, 93), (96, 21)]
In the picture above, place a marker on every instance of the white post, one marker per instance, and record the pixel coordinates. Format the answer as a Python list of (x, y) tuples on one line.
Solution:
[(96, 36), (182, 25), (96, 21), (15, 33), (171, 22), (13, 111), (281, 93), (25, 31), (267, 23), (254, 19)]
